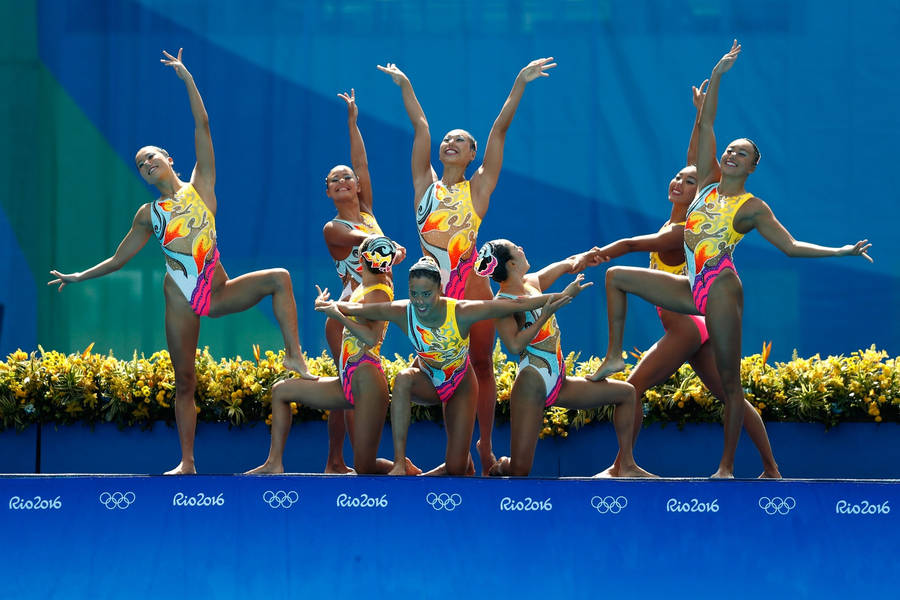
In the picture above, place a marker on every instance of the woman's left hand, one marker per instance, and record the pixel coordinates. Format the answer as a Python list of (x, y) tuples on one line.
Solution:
[(537, 68), (352, 108), (860, 248), (175, 63), (576, 287)]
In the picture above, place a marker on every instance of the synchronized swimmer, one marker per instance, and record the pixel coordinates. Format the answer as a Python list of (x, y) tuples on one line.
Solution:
[(451, 315)]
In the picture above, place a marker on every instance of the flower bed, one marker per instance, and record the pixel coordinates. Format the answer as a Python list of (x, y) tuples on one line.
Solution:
[(50, 387)]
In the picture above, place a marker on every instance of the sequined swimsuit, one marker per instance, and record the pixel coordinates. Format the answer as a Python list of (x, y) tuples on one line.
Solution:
[(710, 238), (186, 230), (448, 230), (349, 269), (544, 352), (656, 264), (353, 351), (443, 352)]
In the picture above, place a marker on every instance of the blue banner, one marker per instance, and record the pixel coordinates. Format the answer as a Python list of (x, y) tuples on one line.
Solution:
[(366, 537)]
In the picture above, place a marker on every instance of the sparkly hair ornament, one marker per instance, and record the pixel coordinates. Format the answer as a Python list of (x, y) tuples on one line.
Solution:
[(426, 263), (486, 261), (379, 253)]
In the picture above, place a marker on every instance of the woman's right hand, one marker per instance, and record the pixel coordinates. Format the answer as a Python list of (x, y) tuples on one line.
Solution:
[(396, 74), (175, 62), (727, 61), (352, 108), (64, 279)]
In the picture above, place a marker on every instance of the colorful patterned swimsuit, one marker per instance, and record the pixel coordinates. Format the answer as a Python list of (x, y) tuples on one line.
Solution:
[(353, 351), (710, 238), (349, 269), (544, 352), (443, 352), (448, 230), (186, 230), (656, 264)]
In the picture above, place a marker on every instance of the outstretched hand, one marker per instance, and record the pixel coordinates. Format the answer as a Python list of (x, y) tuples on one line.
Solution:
[(576, 287), (860, 248), (591, 258), (727, 61), (699, 93), (63, 279), (537, 68), (396, 74), (553, 304), (175, 63), (400, 255), (352, 108), (324, 303)]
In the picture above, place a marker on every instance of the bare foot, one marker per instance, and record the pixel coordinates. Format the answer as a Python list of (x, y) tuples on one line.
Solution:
[(722, 473), (412, 469), (500, 468), (610, 471), (487, 459), (441, 469), (267, 468), (338, 469), (634, 471), (771, 474), (183, 468), (298, 365), (608, 367), (399, 468)]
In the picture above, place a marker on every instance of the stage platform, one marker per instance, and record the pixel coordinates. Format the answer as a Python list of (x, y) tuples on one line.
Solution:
[(319, 536)]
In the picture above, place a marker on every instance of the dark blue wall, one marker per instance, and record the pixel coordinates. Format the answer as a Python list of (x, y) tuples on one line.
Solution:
[(588, 157)]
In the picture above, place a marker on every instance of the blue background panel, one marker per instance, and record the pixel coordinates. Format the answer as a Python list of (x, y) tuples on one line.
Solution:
[(587, 158), (344, 537)]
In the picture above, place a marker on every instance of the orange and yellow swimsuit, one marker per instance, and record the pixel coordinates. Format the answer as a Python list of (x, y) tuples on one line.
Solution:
[(349, 269), (353, 351), (656, 264), (544, 352), (186, 230), (448, 230), (710, 238), (443, 351)]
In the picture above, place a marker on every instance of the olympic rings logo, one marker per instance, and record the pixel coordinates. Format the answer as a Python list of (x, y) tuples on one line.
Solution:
[(280, 499), (443, 501), (773, 505), (115, 500), (608, 504)]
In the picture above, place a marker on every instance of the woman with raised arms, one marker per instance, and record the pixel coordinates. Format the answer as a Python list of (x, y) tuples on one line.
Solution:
[(183, 221), (351, 191), (720, 215), (449, 210)]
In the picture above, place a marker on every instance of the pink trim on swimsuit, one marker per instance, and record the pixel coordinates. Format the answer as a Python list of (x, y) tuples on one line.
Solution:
[(202, 294), (699, 323), (456, 284), (446, 390), (350, 369), (704, 279)]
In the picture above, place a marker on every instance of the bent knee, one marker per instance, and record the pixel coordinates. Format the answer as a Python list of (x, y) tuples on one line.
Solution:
[(281, 278)]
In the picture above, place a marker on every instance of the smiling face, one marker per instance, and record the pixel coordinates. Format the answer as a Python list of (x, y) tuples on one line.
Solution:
[(739, 158), (517, 263), (683, 186), (341, 183), (154, 164), (457, 148), (424, 295)]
